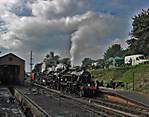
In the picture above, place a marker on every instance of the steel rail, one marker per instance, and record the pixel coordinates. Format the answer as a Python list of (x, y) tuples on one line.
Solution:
[(32, 103)]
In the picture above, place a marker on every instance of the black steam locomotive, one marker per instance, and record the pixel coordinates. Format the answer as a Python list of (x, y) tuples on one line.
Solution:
[(67, 81)]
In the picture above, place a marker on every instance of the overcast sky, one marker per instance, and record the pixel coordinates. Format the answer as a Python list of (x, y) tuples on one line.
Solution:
[(71, 28)]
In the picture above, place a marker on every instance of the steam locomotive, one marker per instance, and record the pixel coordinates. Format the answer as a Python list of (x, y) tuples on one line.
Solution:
[(68, 81)]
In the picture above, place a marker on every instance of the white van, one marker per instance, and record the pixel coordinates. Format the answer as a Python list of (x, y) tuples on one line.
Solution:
[(136, 59)]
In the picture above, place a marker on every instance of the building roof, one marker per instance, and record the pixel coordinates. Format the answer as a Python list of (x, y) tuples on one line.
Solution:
[(114, 58), (11, 54)]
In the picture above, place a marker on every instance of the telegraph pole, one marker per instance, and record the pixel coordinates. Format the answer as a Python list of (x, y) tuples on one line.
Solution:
[(31, 63)]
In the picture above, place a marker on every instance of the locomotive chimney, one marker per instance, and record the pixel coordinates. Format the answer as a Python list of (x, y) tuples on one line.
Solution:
[(52, 54)]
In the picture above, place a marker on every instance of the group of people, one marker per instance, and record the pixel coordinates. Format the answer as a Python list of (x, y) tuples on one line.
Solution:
[(111, 84), (101, 83)]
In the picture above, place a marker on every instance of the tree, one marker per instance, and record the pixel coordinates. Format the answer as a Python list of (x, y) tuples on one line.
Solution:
[(139, 42), (87, 62), (113, 51)]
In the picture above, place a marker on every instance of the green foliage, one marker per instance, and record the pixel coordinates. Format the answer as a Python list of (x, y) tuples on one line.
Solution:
[(126, 74), (87, 62), (113, 51), (107, 74), (139, 43), (139, 71)]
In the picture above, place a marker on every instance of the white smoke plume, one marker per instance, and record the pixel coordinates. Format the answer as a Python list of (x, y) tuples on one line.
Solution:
[(88, 40)]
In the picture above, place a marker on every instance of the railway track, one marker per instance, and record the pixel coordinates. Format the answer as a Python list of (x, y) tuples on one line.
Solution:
[(133, 110), (29, 106), (54, 105), (105, 108), (84, 105)]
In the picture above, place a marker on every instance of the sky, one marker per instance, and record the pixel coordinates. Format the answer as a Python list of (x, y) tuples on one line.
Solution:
[(71, 28)]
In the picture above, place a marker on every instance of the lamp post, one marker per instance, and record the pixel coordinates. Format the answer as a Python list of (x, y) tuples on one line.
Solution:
[(133, 77), (133, 80)]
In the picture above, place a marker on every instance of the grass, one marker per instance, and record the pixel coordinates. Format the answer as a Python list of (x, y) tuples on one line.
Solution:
[(107, 74), (140, 73)]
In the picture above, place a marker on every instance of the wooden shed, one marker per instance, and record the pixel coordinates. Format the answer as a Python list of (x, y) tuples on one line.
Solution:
[(12, 69)]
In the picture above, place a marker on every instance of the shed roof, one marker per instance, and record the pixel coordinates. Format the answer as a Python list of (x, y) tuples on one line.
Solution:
[(11, 54), (114, 58)]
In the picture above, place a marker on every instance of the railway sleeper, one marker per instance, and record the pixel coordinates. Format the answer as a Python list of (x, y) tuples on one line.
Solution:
[(100, 112)]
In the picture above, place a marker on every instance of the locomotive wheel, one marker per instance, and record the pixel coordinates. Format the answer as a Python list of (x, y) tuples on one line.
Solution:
[(81, 93)]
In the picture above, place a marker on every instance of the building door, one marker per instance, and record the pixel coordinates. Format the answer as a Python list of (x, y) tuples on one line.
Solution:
[(9, 74)]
